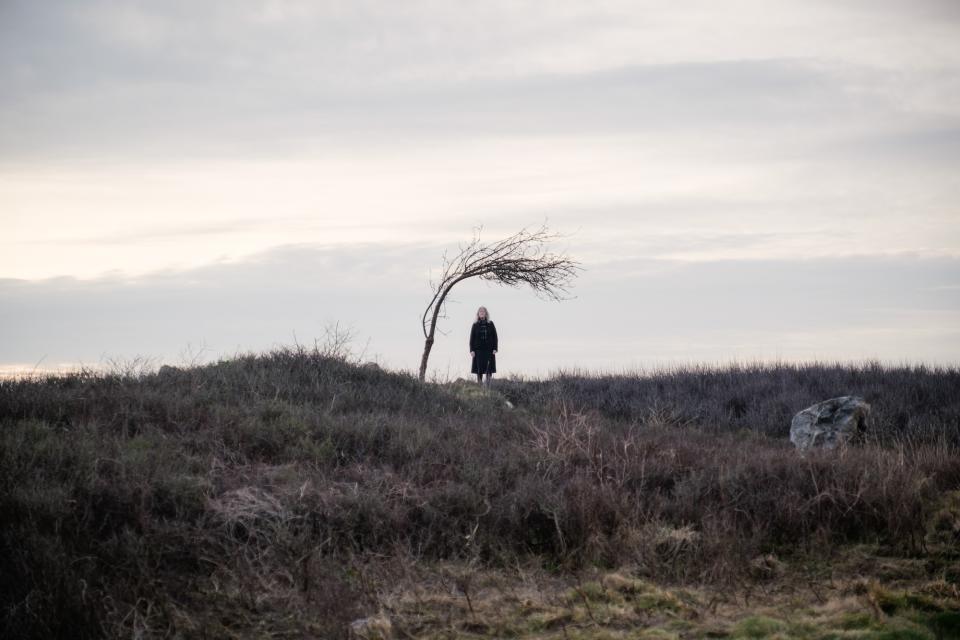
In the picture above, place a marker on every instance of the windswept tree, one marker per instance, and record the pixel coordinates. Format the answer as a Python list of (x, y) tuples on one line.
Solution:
[(521, 259)]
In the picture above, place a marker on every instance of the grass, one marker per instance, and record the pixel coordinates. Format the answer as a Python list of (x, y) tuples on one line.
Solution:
[(298, 493), (527, 604)]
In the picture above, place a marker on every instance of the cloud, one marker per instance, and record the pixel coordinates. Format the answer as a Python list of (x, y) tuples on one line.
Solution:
[(628, 313), (185, 79), (763, 177)]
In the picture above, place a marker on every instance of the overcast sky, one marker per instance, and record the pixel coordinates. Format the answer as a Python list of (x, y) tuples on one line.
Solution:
[(742, 180)]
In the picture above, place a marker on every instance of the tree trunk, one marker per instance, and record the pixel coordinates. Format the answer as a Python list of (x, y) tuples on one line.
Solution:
[(427, 345)]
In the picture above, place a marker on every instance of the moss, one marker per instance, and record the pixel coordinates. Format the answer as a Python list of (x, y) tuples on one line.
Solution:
[(899, 569), (594, 634), (944, 525), (656, 600), (946, 625), (594, 592), (619, 582), (901, 634), (658, 634), (855, 620), (891, 602), (548, 620), (757, 627), (642, 595)]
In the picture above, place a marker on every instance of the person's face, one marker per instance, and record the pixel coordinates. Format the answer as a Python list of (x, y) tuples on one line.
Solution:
[(482, 313)]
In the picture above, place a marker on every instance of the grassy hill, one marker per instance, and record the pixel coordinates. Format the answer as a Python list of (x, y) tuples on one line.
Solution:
[(300, 494)]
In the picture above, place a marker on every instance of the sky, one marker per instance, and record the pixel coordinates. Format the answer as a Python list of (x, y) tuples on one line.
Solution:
[(741, 181)]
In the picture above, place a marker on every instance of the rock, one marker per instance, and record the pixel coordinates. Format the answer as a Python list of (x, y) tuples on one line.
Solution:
[(830, 423), (371, 366)]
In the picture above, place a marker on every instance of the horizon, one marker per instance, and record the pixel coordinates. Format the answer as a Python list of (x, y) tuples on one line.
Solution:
[(138, 365)]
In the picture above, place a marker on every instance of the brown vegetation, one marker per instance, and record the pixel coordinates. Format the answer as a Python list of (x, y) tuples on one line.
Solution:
[(259, 493)]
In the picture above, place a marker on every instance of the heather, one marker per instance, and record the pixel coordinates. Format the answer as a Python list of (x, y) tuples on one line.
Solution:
[(290, 492)]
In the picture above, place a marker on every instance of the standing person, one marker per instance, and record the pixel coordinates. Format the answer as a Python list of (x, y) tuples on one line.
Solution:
[(483, 347)]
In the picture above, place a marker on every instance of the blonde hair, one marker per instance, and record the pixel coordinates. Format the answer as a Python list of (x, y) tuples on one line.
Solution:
[(476, 318)]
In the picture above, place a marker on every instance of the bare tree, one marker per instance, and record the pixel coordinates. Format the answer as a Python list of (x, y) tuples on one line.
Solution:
[(522, 258)]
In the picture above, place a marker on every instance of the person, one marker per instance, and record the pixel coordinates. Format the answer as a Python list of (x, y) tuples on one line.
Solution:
[(483, 347)]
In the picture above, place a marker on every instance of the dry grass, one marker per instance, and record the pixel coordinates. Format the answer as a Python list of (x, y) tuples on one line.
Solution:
[(295, 493), (426, 600)]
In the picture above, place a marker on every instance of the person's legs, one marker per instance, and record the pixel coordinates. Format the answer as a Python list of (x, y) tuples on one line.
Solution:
[(489, 375), (482, 365)]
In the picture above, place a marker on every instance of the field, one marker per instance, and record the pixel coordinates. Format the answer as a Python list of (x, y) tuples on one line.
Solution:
[(301, 494)]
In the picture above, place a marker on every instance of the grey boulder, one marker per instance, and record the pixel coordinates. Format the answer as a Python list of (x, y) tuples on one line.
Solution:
[(830, 423)]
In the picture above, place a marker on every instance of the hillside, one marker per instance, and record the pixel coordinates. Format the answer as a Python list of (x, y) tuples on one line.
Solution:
[(299, 494)]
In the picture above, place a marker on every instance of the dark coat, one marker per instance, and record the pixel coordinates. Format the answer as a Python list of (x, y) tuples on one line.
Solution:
[(483, 343)]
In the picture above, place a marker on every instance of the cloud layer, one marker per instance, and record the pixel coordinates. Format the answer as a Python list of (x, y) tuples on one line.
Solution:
[(627, 313), (160, 160)]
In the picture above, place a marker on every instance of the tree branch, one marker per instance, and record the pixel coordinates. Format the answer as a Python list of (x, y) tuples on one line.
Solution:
[(517, 260)]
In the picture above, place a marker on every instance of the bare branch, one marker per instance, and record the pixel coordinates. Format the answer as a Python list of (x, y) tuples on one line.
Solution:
[(521, 259)]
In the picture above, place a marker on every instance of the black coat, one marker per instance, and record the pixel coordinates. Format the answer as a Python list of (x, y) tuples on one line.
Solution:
[(483, 342)]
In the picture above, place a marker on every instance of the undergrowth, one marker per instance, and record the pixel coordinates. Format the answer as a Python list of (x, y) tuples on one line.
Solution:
[(129, 501)]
